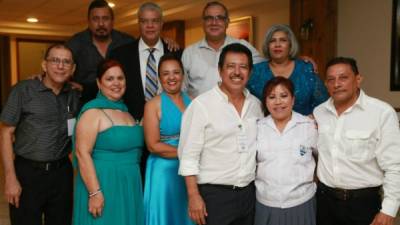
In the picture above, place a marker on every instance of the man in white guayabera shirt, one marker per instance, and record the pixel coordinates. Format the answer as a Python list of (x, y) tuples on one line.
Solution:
[(358, 152), (217, 149)]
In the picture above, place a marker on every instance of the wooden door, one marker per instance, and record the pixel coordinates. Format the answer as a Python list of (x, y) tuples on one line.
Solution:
[(176, 31), (5, 69), (315, 24)]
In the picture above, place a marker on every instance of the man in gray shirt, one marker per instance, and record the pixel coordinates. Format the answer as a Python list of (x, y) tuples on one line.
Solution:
[(40, 115)]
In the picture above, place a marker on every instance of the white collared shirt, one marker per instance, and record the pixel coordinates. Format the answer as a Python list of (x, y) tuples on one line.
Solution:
[(200, 62), (285, 165), (216, 143), (143, 57), (360, 148)]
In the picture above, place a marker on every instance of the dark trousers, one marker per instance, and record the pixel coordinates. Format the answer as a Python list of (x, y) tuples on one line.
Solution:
[(46, 195), (227, 206), (359, 210)]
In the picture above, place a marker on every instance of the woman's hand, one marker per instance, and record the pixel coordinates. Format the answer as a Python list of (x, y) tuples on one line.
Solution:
[(96, 204), (310, 60)]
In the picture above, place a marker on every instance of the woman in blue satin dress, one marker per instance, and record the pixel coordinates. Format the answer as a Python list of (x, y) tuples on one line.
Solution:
[(165, 196), (281, 49), (108, 146)]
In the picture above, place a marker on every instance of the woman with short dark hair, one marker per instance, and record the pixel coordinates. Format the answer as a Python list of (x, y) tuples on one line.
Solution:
[(285, 166)]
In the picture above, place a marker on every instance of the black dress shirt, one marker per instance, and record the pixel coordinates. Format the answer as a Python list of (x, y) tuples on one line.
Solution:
[(87, 58)]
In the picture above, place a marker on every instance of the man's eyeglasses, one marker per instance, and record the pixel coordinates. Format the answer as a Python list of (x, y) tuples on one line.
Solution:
[(218, 18), (57, 61)]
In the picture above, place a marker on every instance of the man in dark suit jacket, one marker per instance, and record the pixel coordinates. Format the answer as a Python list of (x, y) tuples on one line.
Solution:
[(134, 57)]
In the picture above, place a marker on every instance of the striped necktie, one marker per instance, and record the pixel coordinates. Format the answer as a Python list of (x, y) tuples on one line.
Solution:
[(151, 77)]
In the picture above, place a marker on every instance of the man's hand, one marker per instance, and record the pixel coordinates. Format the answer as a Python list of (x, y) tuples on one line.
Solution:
[(172, 45), (76, 86), (37, 77), (12, 190), (197, 209), (310, 60), (382, 219)]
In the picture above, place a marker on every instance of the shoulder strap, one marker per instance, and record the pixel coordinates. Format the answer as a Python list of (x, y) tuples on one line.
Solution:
[(108, 117)]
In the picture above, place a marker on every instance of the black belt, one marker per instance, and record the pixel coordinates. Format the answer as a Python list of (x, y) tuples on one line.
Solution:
[(47, 166), (225, 186), (346, 194)]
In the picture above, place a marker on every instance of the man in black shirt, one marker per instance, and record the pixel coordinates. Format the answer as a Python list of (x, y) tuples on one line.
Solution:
[(93, 45), (40, 114)]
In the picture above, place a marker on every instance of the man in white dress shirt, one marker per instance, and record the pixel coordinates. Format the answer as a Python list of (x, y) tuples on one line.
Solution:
[(200, 59), (217, 149), (359, 152)]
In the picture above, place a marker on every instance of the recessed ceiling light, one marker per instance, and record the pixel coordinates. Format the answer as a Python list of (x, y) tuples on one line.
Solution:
[(32, 20), (111, 4)]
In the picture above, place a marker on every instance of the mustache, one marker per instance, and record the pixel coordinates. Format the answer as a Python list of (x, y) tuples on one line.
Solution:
[(236, 76), (101, 29)]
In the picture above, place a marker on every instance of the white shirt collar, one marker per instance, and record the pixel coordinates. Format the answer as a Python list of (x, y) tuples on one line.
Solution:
[(225, 97), (144, 47), (360, 103), (204, 44), (294, 121)]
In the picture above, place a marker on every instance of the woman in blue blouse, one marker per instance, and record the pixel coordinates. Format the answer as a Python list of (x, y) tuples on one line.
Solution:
[(281, 48)]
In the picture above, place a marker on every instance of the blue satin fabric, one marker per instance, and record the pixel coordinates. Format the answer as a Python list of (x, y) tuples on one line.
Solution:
[(165, 196)]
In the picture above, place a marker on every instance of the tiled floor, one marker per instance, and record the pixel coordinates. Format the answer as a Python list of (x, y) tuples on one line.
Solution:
[(4, 206)]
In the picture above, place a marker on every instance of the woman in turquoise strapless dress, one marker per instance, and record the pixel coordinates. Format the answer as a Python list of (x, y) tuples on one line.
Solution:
[(108, 145), (165, 197)]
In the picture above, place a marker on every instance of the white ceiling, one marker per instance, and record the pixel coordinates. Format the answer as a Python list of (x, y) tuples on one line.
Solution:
[(61, 18)]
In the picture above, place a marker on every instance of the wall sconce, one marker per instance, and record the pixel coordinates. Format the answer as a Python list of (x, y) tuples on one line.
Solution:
[(305, 29)]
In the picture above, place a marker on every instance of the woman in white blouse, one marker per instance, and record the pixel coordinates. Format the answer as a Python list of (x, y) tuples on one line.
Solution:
[(285, 144)]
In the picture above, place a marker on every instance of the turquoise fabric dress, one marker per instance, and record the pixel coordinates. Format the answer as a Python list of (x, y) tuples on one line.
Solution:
[(165, 196), (309, 90), (116, 157)]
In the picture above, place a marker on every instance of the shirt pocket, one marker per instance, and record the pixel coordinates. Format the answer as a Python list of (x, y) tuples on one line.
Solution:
[(303, 161), (360, 145), (302, 152)]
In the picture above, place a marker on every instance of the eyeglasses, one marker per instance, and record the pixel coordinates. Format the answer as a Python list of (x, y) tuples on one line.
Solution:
[(149, 21), (57, 61), (218, 18)]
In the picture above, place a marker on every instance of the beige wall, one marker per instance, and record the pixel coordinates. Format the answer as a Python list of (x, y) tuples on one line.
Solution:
[(264, 15), (364, 32), (30, 56)]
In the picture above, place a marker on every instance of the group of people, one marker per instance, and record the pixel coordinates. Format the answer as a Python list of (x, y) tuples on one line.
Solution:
[(218, 134)]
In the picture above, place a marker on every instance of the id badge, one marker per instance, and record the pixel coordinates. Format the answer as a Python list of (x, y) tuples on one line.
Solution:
[(71, 125)]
